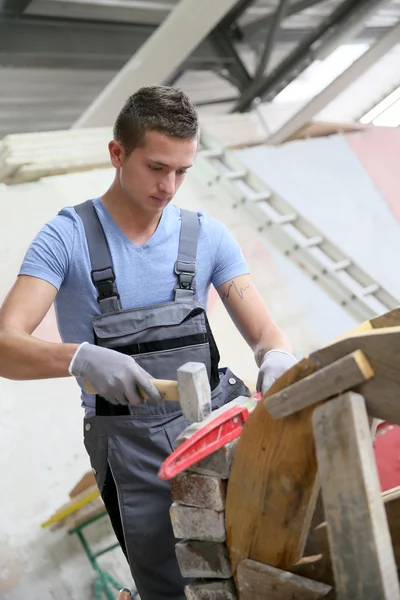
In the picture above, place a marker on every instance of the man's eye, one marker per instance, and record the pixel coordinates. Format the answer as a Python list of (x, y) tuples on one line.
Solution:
[(154, 168), (181, 172)]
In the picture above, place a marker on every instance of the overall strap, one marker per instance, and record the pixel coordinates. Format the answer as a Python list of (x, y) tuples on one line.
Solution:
[(102, 273), (185, 266)]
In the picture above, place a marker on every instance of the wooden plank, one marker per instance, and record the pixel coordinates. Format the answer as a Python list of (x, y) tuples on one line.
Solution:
[(257, 581), (382, 350), (335, 378), (389, 319), (391, 499), (272, 484), (316, 563), (87, 481), (361, 550), (317, 567), (270, 490)]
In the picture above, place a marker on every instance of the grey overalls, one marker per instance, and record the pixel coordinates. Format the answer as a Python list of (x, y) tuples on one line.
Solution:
[(127, 445)]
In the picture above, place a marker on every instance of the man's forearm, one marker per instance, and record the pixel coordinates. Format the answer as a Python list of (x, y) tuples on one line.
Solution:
[(24, 357), (273, 339)]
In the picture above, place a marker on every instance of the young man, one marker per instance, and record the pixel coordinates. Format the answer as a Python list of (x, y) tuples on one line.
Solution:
[(129, 274)]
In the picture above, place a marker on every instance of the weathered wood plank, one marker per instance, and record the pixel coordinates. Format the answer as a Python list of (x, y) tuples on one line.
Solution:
[(257, 581), (316, 563), (336, 378), (361, 550), (388, 319), (272, 484), (382, 350)]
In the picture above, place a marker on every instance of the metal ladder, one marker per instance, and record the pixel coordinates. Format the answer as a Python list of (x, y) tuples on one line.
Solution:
[(291, 234)]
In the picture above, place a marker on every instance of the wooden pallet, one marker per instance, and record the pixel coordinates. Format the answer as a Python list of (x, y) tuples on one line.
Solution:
[(305, 515)]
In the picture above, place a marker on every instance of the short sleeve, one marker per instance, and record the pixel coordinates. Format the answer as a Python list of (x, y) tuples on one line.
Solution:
[(228, 258), (49, 254)]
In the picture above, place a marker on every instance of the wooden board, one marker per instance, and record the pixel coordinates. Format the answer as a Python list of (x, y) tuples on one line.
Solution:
[(257, 581), (271, 484), (341, 375), (273, 474), (389, 319), (391, 498), (361, 550), (382, 350), (316, 563)]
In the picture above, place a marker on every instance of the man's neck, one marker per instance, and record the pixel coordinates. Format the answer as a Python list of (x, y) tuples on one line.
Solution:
[(137, 225)]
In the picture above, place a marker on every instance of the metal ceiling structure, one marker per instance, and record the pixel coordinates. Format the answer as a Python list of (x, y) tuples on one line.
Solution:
[(56, 56)]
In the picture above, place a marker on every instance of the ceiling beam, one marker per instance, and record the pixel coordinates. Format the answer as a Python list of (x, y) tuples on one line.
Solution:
[(348, 16), (13, 8), (236, 12), (249, 30), (279, 16), (358, 68), (37, 42), (225, 46), (182, 31), (40, 42)]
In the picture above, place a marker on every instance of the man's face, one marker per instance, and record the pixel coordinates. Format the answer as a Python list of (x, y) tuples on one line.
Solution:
[(152, 174)]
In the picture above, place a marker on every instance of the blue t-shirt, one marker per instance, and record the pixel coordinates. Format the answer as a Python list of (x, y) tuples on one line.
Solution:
[(144, 274)]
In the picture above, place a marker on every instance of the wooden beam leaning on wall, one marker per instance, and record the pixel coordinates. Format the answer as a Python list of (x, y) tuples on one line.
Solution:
[(360, 544)]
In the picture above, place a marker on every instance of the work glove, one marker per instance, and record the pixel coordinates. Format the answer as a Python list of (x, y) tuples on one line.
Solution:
[(275, 363), (114, 376)]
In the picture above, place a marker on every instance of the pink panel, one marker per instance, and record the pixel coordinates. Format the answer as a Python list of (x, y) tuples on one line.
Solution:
[(379, 151)]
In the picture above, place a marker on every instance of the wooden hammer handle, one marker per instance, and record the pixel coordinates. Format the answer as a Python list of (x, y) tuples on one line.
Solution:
[(167, 388)]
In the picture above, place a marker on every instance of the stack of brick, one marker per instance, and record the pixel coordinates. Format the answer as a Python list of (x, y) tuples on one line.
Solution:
[(198, 519)]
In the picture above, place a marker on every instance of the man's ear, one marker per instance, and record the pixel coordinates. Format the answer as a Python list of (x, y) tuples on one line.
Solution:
[(117, 153)]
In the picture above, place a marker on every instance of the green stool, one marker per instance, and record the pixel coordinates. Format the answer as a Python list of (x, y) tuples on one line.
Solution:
[(104, 582)]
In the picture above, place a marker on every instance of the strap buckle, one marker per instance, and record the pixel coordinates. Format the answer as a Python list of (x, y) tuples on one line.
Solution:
[(186, 272), (104, 279)]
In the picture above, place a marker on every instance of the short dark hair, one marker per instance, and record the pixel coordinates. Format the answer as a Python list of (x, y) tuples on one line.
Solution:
[(155, 108)]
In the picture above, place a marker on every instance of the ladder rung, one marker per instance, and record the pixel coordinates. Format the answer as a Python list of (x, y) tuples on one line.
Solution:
[(284, 219), (370, 289), (312, 242), (341, 265), (235, 174), (260, 196)]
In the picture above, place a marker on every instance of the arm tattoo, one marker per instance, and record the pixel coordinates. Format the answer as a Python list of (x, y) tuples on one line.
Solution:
[(232, 286)]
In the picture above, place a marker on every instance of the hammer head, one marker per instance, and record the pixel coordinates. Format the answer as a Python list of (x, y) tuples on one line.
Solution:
[(194, 391)]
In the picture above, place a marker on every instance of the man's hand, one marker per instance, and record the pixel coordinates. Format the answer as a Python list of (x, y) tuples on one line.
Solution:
[(114, 376), (274, 364)]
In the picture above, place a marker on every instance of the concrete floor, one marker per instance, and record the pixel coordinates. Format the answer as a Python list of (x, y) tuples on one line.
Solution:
[(41, 451)]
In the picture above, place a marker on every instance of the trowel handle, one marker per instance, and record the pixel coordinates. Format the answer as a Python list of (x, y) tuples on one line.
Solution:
[(167, 388)]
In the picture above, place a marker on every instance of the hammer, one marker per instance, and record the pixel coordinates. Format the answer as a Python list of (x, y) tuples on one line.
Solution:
[(192, 390)]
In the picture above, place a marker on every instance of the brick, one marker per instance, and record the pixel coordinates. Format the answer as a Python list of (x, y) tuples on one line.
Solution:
[(211, 590), (203, 559), (202, 491), (217, 464), (197, 523)]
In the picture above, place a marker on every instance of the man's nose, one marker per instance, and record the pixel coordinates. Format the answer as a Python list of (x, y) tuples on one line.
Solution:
[(167, 184)]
